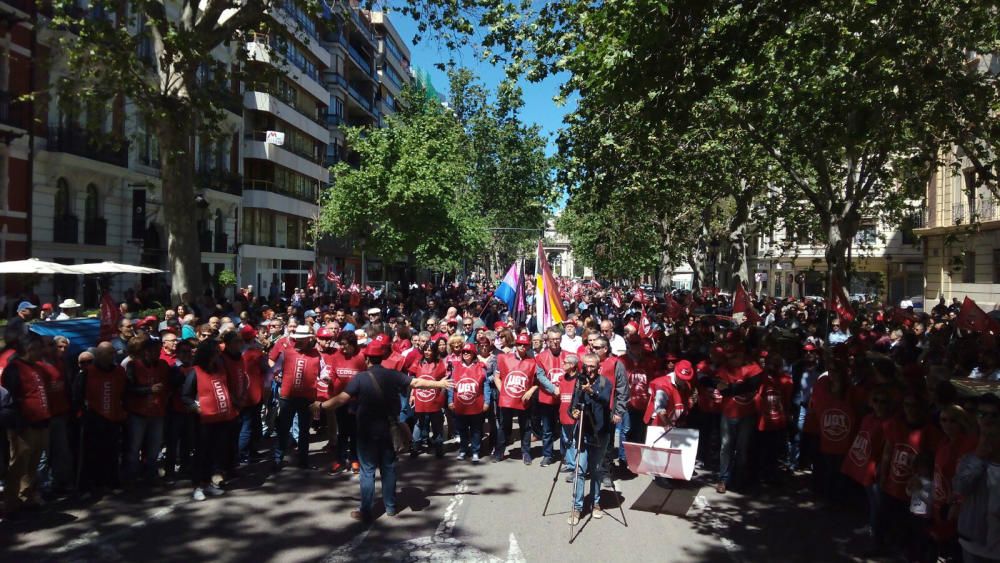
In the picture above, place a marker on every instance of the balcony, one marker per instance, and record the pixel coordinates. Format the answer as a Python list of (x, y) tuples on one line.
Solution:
[(309, 194), (958, 213), (335, 79), (219, 180), (95, 231), (288, 146), (26, 7), (360, 59), (358, 97), (65, 229), (334, 120), (12, 113), (79, 142)]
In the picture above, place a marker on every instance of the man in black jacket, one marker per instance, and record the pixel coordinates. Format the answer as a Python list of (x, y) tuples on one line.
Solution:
[(591, 407)]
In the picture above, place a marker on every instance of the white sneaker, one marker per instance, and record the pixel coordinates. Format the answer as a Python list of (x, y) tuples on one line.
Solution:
[(214, 490), (475, 458), (461, 456), (199, 494)]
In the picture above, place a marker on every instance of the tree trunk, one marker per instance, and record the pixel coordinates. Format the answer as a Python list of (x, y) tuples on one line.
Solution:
[(179, 212), (839, 232), (737, 243)]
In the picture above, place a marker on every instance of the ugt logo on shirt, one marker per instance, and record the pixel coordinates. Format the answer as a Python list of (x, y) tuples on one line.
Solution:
[(467, 390), (516, 384)]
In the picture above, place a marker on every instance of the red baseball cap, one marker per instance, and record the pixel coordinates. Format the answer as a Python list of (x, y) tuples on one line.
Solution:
[(324, 333), (453, 321), (683, 370), (151, 320), (809, 347), (247, 332), (523, 339), (499, 324), (469, 347), (376, 348), (46, 306)]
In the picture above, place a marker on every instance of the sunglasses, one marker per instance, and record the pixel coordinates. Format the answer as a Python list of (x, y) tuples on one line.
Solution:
[(599, 347)]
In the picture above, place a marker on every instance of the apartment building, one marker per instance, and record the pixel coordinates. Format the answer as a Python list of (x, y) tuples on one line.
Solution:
[(961, 235), (17, 32), (95, 189), (886, 261)]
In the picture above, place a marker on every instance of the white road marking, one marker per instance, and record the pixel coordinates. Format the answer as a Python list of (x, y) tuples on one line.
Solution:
[(94, 537), (440, 546)]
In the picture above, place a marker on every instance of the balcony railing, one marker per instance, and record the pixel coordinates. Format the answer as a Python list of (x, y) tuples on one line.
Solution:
[(95, 231), (359, 58), (987, 209), (958, 213), (365, 103), (310, 194), (219, 180), (290, 147), (362, 25), (335, 79), (80, 142), (334, 120), (11, 112), (65, 228)]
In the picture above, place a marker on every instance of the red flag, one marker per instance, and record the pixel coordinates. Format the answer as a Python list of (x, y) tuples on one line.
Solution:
[(330, 276), (311, 279), (674, 308), (841, 302), (616, 298), (645, 327), (110, 315), (971, 317), (742, 307), (639, 296)]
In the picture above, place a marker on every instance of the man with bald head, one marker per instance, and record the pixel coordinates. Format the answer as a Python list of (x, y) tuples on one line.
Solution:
[(100, 391)]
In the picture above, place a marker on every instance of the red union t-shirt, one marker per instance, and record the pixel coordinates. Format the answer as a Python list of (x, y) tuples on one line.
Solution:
[(743, 404), (774, 399), (865, 453), (905, 444), (835, 418), (945, 462)]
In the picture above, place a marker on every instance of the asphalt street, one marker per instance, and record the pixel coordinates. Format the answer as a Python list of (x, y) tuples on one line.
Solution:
[(449, 511)]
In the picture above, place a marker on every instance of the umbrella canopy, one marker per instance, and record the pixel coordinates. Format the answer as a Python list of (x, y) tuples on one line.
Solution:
[(34, 266), (111, 268)]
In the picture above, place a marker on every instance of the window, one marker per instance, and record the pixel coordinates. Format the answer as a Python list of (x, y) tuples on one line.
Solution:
[(62, 203), (969, 267), (867, 235), (148, 145), (90, 209), (996, 265)]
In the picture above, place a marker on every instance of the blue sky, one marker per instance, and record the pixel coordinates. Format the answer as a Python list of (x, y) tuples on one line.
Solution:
[(538, 105)]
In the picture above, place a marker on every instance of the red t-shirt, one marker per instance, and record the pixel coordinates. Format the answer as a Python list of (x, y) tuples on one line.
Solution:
[(343, 369), (774, 400), (738, 406), (429, 400), (945, 462), (862, 459), (905, 444), (836, 421)]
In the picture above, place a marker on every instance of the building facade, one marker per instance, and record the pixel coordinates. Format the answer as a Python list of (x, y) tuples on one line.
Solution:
[(961, 235), (83, 184)]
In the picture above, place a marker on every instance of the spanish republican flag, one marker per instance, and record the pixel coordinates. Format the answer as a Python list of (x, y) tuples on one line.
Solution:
[(548, 308)]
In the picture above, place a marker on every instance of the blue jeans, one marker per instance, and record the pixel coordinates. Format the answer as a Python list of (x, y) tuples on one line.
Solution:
[(250, 429), (505, 427), (567, 443), (548, 415), (145, 434), (426, 422), (287, 410), (622, 430), (795, 443), (470, 431), (593, 450), (378, 453), (736, 434)]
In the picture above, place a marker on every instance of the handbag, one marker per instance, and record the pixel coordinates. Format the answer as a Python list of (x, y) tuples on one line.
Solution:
[(400, 432)]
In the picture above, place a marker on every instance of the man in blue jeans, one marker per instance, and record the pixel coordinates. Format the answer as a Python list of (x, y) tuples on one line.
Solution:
[(377, 390), (591, 406)]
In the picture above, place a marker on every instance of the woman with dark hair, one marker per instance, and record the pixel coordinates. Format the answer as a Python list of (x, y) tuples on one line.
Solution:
[(206, 392), (427, 403)]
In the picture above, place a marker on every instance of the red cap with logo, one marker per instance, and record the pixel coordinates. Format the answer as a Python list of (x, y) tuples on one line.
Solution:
[(523, 339), (324, 333), (469, 347), (376, 348), (683, 370)]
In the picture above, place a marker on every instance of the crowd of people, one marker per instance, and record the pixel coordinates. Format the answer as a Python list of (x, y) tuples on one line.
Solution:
[(872, 404)]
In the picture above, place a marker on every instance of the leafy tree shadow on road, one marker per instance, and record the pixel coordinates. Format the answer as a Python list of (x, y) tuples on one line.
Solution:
[(261, 517), (781, 523)]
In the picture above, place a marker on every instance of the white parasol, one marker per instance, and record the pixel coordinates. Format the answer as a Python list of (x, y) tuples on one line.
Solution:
[(111, 268), (34, 266)]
